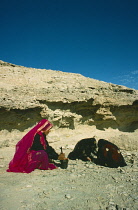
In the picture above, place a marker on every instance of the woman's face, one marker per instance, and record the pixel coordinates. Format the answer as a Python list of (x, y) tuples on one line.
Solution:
[(46, 132)]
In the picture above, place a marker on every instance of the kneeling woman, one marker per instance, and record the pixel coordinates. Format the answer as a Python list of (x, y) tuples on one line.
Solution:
[(33, 151)]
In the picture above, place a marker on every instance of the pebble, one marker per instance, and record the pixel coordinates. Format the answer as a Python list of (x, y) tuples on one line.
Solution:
[(68, 196), (29, 186), (89, 166), (128, 153), (124, 193), (121, 170), (111, 203)]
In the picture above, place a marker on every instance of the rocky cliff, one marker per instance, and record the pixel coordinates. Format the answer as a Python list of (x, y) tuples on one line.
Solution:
[(79, 107), (66, 99)]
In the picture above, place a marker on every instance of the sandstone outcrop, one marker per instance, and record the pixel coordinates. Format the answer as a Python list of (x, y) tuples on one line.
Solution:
[(67, 99), (79, 107)]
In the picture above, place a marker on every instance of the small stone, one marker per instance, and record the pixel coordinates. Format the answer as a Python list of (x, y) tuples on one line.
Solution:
[(29, 186), (111, 203), (90, 166), (125, 194), (128, 153), (68, 196), (121, 170)]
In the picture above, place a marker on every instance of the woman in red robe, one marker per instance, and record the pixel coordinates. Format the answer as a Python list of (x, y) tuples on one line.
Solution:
[(32, 150)]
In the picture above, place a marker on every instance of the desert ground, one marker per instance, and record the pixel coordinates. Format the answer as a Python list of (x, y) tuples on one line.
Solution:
[(82, 186)]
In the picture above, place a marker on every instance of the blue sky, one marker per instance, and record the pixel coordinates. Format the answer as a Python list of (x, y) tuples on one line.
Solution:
[(96, 38)]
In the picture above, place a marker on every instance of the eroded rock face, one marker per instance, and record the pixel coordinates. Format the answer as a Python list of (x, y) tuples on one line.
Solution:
[(66, 99)]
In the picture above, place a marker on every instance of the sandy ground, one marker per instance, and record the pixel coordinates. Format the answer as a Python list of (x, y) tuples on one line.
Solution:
[(83, 185)]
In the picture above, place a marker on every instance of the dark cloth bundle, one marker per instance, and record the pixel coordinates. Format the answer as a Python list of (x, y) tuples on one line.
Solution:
[(109, 155)]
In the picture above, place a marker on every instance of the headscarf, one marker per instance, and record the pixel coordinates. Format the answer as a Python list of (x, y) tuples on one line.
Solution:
[(23, 146)]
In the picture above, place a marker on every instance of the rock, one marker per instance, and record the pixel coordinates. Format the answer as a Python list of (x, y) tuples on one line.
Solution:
[(68, 196), (121, 170), (68, 100), (73, 96), (29, 186)]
